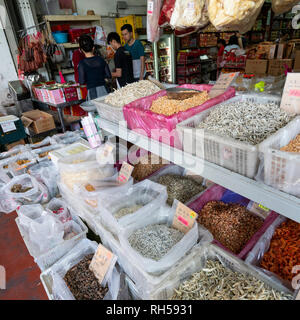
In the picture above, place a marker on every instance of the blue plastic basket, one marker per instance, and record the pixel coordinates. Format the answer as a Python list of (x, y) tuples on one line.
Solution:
[(60, 37)]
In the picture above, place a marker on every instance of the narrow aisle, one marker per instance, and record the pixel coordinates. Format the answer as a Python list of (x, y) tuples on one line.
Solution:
[(22, 273)]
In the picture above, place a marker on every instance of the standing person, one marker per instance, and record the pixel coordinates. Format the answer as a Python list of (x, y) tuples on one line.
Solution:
[(123, 61), (232, 44), (137, 52), (221, 44), (93, 70)]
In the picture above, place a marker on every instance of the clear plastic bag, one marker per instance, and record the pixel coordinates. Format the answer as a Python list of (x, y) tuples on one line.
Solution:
[(282, 6), (164, 215), (21, 162), (29, 213), (66, 138), (153, 13), (231, 15), (42, 154), (14, 151), (151, 196), (189, 13), (59, 209), (41, 144)]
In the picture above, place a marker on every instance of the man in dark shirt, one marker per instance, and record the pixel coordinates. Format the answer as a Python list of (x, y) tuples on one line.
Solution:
[(93, 70), (123, 61)]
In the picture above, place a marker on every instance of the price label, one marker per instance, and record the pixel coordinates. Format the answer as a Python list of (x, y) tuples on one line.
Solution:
[(290, 101), (184, 218), (150, 7), (125, 173), (258, 209), (8, 126), (223, 83), (102, 262)]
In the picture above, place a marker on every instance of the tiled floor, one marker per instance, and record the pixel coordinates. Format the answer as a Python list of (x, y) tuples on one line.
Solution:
[(22, 274)]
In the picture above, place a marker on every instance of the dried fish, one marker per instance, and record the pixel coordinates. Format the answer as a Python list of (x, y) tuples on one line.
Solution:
[(225, 285), (247, 122), (125, 211)]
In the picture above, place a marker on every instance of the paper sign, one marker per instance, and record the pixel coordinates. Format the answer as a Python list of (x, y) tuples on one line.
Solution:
[(125, 172), (8, 126), (223, 83), (184, 218), (102, 262), (258, 209), (290, 101), (150, 7)]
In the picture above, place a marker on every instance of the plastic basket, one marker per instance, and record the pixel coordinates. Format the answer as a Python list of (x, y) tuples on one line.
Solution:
[(281, 169), (48, 258), (239, 157)]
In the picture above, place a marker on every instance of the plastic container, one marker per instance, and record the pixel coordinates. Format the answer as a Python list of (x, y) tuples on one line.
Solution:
[(281, 169), (163, 128), (239, 157), (60, 37)]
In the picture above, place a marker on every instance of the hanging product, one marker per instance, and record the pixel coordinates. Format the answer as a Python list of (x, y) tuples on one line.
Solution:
[(191, 13), (166, 12), (153, 12), (238, 15), (282, 6)]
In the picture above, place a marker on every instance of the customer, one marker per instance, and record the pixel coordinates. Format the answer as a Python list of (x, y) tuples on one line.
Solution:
[(93, 70), (221, 44), (232, 44), (123, 61), (137, 52)]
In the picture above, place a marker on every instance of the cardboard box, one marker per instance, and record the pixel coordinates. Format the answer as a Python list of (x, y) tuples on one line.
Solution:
[(12, 145), (276, 66), (256, 66), (38, 121), (281, 50), (297, 61)]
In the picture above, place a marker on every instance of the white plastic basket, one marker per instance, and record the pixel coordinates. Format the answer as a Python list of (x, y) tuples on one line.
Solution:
[(282, 169), (239, 157), (47, 259)]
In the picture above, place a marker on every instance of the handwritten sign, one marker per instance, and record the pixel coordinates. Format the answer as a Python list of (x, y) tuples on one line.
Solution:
[(184, 218), (290, 101), (125, 173), (8, 126), (223, 83)]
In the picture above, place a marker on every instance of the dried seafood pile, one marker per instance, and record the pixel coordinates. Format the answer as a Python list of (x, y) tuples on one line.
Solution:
[(293, 146), (126, 211)]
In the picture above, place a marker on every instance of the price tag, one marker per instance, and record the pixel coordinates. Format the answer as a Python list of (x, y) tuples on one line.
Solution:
[(184, 218), (223, 83), (150, 7), (102, 262), (258, 209), (290, 101), (125, 172), (8, 126)]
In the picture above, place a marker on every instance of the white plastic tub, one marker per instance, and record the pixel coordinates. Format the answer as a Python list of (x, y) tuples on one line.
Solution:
[(239, 157)]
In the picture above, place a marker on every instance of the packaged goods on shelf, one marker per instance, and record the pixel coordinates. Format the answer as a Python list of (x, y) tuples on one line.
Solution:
[(234, 15), (279, 166), (221, 276), (58, 287), (235, 149), (140, 118), (282, 6)]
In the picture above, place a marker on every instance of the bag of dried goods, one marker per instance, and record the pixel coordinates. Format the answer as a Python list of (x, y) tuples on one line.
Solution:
[(166, 12), (59, 209), (153, 12), (282, 6), (21, 162), (231, 15), (189, 13)]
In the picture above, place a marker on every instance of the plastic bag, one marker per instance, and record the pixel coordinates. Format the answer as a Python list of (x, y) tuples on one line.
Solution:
[(162, 216), (20, 163), (153, 13), (282, 6), (100, 36), (59, 208), (45, 143), (29, 213), (42, 154), (147, 194), (14, 151), (66, 138), (30, 191), (189, 13), (60, 289), (166, 12), (229, 15)]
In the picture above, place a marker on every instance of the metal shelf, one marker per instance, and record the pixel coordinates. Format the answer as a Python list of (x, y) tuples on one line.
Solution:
[(271, 198), (62, 105)]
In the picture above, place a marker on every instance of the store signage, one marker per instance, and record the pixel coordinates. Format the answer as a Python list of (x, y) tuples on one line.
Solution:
[(290, 101), (184, 218), (125, 172), (223, 83), (102, 262), (8, 126)]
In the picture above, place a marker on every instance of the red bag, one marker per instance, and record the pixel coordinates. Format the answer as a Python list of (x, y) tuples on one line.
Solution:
[(166, 12)]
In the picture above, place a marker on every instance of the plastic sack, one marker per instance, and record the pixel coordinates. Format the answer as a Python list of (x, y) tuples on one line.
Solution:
[(166, 12), (282, 6), (29, 213), (190, 13), (45, 143), (59, 208), (60, 290), (14, 151), (37, 193), (160, 127), (47, 174), (153, 13), (228, 15), (42, 154), (164, 215), (82, 168), (151, 196), (100, 36), (21, 162), (66, 138)]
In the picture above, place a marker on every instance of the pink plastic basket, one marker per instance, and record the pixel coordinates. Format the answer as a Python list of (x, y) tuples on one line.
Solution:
[(163, 128), (215, 193)]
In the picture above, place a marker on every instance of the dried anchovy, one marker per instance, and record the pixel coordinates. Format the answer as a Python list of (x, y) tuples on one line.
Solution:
[(82, 282), (246, 122), (155, 241), (180, 187), (18, 188), (125, 211), (216, 282), (131, 92)]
